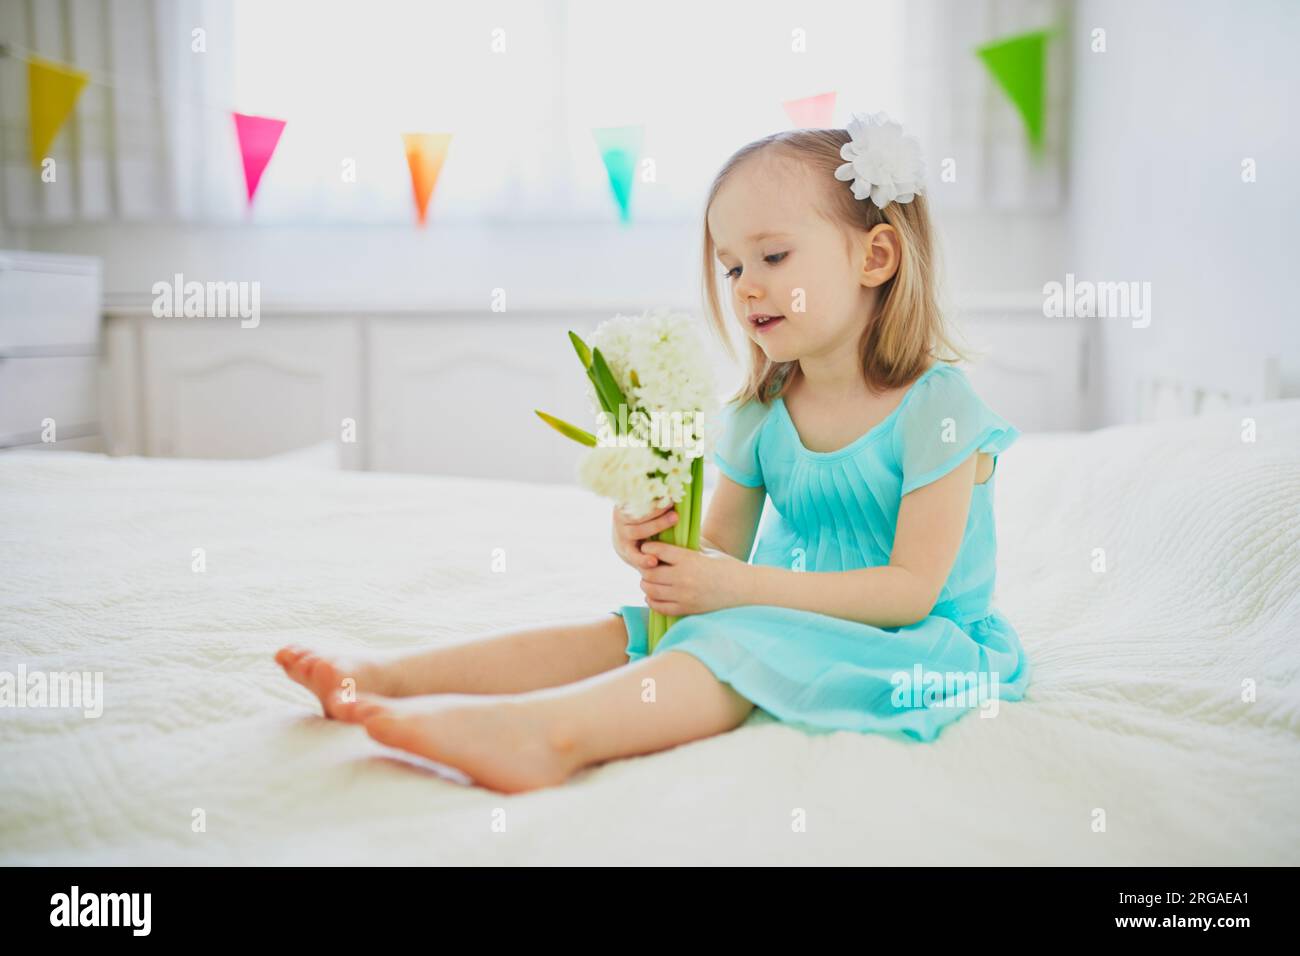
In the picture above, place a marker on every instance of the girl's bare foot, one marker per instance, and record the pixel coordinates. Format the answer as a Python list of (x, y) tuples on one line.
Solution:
[(327, 677), (502, 744)]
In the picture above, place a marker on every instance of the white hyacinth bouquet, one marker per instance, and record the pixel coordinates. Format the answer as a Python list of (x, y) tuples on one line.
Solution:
[(651, 389)]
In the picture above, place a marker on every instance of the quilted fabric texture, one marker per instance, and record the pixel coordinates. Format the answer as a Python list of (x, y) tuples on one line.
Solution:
[(1136, 707)]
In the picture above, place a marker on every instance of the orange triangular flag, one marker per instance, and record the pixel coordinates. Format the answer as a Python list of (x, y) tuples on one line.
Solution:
[(425, 153), (52, 91)]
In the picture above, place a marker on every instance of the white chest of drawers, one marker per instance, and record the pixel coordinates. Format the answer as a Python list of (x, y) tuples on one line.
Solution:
[(49, 351)]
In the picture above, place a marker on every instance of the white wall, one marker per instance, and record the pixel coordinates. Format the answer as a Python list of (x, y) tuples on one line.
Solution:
[(1162, 121)]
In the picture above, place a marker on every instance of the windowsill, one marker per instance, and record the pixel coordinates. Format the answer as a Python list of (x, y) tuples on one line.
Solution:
[(442, 309), (995, 266), (1013, 304)]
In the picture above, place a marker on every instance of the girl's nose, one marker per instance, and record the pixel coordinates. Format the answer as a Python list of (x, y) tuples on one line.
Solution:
[(748, 291)]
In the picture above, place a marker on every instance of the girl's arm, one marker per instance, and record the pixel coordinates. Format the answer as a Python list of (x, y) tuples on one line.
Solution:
[(931, 524), (731, 520)]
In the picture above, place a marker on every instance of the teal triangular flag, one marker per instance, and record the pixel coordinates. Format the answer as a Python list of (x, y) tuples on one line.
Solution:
[(620, 148), (1017, 63)]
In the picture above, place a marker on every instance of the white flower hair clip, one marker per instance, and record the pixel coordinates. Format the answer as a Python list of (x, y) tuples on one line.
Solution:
[(882, 162)]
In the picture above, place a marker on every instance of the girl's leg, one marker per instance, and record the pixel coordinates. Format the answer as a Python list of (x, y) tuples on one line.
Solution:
[(540, 738), (505, 662), (510, 662)]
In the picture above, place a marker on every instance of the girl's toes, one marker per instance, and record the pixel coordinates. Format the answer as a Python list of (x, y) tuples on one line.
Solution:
[(304, 669), (287, 656), (325, 678), (297, 668), (334, 682)]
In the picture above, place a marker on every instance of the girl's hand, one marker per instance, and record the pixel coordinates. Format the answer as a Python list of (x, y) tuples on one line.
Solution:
[(630, 532), (693, 582)]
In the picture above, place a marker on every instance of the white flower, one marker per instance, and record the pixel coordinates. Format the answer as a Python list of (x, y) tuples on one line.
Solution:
[(629, 475), (658, 360), (882, 162), (663, 370), (662, 367)]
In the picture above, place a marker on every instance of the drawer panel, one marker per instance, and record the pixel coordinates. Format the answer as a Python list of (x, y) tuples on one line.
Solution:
[(65, 389), (215, 390), (48, 302)]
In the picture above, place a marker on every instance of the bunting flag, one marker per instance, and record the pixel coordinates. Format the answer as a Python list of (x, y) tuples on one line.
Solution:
[(425, 154), (1017, 63), (52, 91), (811, 112), (54, 88), (620, 148), (258, 137)]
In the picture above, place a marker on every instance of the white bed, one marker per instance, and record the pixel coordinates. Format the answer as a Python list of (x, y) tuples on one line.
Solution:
[(1135, 707)]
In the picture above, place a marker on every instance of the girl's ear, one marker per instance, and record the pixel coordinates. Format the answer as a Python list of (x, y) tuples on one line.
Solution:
[(881, 255)]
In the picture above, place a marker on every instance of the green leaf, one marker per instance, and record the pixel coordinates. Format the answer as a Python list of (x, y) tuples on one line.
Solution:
[(612, 414), (567, 430), (607, 388), (591, 377), (579, 346)]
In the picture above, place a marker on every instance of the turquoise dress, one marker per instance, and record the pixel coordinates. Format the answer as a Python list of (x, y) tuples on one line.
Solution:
[(837, 511)]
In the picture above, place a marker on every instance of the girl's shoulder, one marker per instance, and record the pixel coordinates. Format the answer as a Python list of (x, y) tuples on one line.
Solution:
[(747, 414), (942, 387), (736, 440), (941, 422)]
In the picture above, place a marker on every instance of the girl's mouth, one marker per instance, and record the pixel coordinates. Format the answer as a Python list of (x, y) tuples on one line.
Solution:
[(765, 323)]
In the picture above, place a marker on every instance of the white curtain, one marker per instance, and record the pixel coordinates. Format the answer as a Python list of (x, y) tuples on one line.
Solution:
[(960, 113), (142, 143)]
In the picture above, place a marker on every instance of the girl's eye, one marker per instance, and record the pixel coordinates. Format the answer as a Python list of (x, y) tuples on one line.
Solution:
[(777, 256)]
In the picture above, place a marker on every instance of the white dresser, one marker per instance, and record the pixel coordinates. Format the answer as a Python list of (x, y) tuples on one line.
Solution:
[(452, 391), (49, 351)]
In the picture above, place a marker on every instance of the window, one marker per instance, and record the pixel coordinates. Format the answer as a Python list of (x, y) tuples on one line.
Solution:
[(701, 78)]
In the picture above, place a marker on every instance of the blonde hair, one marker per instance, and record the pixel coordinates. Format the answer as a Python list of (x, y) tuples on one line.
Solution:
[(908, 327)]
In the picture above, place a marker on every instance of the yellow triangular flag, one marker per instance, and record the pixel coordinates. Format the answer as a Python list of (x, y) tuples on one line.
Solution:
[(52, 91)]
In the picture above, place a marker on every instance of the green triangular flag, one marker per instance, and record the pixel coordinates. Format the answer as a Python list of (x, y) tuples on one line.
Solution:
[(1017, 63), (620, 147)]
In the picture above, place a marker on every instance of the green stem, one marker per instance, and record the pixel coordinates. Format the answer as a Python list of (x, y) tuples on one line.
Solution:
[(660, 622), (697, 503), (684, 534)]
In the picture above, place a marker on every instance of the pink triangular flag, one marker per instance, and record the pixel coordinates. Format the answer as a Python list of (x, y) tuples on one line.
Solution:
[(258, 137), (811, 112)]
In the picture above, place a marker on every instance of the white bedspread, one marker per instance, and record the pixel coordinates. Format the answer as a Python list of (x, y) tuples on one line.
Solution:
[(1136, 709)]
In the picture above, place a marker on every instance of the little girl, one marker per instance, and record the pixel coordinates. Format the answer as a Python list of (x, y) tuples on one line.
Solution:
[(865, 605)]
